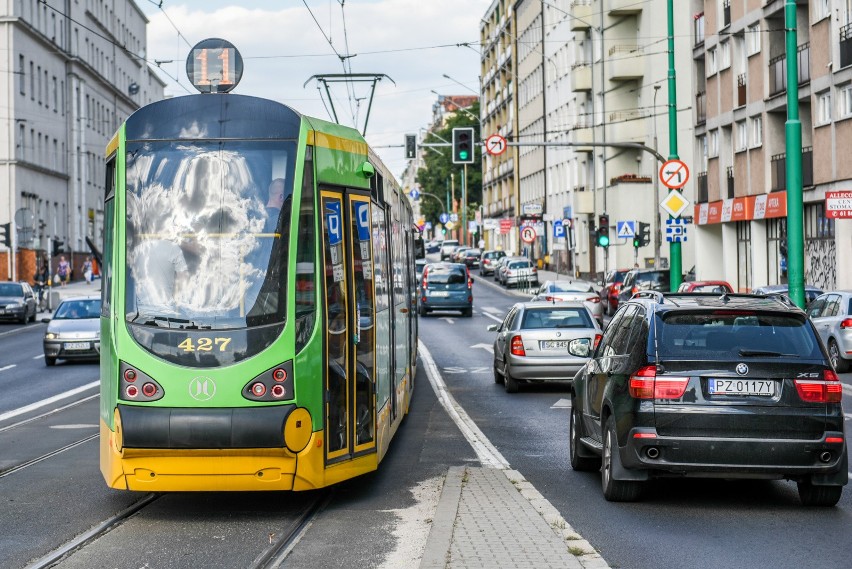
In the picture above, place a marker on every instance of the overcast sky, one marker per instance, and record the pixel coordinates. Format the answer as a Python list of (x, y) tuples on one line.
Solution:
[(283, 46)]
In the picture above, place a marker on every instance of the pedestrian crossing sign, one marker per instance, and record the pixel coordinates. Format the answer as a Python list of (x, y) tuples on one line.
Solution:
[(625, 229)]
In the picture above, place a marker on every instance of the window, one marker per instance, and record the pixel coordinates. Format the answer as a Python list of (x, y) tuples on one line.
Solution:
[(742, 136), (22, 75), (713, 146), (845, 102), (823, 108), (712, 64), (756, 131), (821, 9), (725, 55), (753, 39)]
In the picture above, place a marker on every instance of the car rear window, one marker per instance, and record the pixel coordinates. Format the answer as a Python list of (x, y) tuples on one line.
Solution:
[(570, 287), (727, 334), (556, 318), (446, 276), (520, 265), (652, 280)]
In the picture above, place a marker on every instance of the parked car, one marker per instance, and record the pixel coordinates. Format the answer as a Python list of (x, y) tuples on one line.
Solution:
[(433, 247), (18, 302), (489, 260), (831, 314), (448, 247), (705, 286), (643, 279), (735, 386), (74, 332), (542, 341), (574, 290), (471, 257), (811, 292), (611, 288), (501, 264), (456, 257), (446, 286), (520, 273)]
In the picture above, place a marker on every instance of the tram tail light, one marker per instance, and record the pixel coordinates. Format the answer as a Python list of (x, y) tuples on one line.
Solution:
[(277, 391), (517, 346), (149, 389), (131, 391), (137, 385)]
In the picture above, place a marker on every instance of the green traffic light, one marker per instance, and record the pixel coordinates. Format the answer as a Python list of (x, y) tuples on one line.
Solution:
[(463, 155)]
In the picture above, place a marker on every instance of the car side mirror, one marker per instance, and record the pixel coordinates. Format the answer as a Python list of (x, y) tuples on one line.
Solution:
[(45, 320), (493, 327)]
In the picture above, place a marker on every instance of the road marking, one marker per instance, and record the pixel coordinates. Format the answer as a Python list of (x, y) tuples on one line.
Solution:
[(486, 452), (562, 404), (49, 400), (847, 389), (450, 320), (491, 316), (848, 415), (38, 357), (492, 309), (8, 367), (488, 347)]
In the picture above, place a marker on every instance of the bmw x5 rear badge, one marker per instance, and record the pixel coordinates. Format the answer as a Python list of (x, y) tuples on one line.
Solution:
[(742, 369)]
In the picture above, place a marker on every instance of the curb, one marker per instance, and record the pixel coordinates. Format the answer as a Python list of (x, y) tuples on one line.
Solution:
[(437, 551)]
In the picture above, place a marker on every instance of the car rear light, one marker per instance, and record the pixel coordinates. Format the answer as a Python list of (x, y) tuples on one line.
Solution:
[(827, 390), (597, 341), (634, 290), (644, 384), (518, 346), (847, 323), (834, 440), (534, 270), (644, 435), (616, 287), (469, 283), (593, 299), (422, 299)]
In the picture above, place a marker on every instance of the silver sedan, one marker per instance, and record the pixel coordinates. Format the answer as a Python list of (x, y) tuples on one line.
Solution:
[(74, 332), (542, 341), (572, 290), (831, 314)]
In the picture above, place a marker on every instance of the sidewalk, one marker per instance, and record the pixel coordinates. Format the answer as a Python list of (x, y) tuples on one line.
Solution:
[(491, 519), (57, 294)]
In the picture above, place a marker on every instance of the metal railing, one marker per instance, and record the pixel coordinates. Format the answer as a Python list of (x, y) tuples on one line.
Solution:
[(778, 170), (741, 90), (726, 13), (701, 107), (846, 45), (731, 188), (703, 190), (778, 69), (698, 28)]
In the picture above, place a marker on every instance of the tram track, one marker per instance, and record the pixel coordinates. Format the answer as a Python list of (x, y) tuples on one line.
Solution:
[(45, 456), (273, 556)]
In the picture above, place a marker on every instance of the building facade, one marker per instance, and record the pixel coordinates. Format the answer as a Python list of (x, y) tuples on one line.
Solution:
[(74, 70), (741, 111)]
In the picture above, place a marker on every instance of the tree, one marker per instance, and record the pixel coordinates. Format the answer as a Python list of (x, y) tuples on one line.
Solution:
[(434, 177)]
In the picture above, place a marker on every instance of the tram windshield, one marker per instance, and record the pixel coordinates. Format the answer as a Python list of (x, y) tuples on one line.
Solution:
[(208, 225)]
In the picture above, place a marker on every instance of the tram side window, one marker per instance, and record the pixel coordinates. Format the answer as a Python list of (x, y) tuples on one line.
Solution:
[(306, 260), (380, 256), (109, 227)]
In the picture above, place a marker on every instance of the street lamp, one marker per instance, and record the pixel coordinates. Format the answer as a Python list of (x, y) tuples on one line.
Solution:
[(460, 83), (465, 111)]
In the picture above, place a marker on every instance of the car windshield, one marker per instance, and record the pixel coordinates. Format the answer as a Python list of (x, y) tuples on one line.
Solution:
[(11, 289), (208, 225), (569, 287), (733, 335), (76, 309), (536, 318)]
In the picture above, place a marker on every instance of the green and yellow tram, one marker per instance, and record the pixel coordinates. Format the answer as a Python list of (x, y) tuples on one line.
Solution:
[(257, 330)]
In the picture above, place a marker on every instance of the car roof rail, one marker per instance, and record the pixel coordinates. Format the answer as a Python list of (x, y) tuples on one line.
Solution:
[(652, 294), (780, 297)]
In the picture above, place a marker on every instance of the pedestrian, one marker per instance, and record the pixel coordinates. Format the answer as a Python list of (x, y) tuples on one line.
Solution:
[(42, 281), (87, 270), (63, 270)]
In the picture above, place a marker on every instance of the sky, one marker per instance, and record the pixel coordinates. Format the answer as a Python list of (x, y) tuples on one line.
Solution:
[(284, 43)]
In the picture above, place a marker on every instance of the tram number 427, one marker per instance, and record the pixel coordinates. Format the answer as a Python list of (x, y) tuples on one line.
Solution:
[(204, 344)]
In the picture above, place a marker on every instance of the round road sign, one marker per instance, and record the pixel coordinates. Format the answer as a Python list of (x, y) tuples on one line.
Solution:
[(495, 145), (674, 174), (528, 234)]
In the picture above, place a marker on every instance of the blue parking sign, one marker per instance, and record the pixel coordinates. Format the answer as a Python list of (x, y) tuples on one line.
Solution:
[(333, 222), (558, 229)]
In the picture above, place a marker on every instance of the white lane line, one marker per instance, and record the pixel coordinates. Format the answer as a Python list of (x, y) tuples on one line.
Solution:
[(847, 389), (38, 357), (493, 309), (486, 452), (562, 404), (48, 401), (491, 316), (8, 367), (848, 415)]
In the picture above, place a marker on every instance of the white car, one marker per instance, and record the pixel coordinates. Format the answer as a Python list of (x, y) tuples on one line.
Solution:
[(448, 247), (573, 290)]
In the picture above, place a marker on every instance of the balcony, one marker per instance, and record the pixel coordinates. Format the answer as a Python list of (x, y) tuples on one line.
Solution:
[(624, 7), (778, 70), (846, 45), (580, 14), (701, 107), (778, 167), (726, 13), (731, 188), (625, 63), (741, 90), (698, 28), (583, 134), (626, 126), (703, 192), (581, 77)]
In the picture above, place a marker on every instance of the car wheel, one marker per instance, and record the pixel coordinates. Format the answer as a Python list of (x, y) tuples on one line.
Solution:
[(49, 362), (840, 365), (812, 495), (422, 311), (497, 377), (467, 312), (615, 490), (579, 463), (33, 317), (511, 383)]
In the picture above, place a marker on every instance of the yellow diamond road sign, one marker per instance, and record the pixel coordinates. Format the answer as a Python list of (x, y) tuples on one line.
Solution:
[(675, 203)]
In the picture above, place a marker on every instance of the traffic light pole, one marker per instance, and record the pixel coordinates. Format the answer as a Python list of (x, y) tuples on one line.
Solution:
[(793, 135), (676, 270)]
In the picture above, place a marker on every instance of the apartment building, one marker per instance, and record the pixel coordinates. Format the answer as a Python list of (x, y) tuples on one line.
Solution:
[(73, 71), (739, 56), (498, 115)]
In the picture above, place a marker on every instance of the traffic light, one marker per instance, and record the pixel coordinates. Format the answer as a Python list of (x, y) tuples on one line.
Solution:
[(57, 245), (443, 231), (410, 146), (643, 236), (463, 145), (6, 234), (602, 237)]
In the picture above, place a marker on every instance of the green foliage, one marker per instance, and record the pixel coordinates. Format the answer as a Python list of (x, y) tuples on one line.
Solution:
[(434, 177)]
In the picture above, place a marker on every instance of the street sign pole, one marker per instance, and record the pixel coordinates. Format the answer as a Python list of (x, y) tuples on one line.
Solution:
[(793, 134), (675, 251)]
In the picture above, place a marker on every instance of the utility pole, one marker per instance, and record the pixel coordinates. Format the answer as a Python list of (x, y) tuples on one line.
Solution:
[(676, 274), (464, 205), (793, 135), (658, 238)]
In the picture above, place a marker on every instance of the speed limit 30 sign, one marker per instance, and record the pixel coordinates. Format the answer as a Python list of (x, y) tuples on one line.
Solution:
[(495, 145)]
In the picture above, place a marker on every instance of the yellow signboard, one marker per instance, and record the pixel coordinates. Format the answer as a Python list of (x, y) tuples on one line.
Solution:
[(675, 203)]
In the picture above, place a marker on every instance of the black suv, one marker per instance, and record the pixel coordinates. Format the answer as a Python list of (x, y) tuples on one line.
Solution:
[(737, 386)]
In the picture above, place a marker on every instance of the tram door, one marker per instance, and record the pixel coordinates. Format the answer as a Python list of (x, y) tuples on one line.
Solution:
[(350, 410)]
